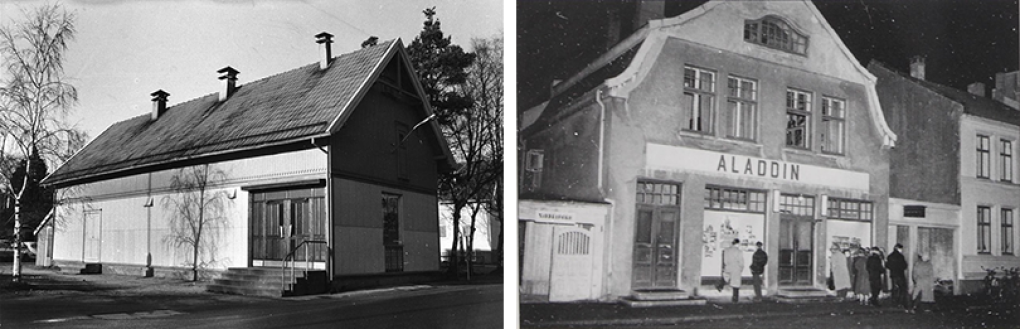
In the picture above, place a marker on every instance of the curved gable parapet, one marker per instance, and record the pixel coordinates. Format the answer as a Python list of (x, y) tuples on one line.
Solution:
[(720, 25)]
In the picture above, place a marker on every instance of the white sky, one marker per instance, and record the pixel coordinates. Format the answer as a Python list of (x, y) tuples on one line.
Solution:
[(125, 50)]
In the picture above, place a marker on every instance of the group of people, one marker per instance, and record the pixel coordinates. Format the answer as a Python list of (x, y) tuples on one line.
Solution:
[(860, 272)]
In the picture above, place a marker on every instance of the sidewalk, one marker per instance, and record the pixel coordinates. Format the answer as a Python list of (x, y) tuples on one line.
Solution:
[(44, 281), (615, 314)]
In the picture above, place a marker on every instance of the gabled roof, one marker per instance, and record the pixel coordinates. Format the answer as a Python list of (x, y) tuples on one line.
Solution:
[(975, 105), (296, 105), (622, 68)]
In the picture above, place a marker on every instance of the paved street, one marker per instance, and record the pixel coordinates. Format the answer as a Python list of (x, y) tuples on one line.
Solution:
[(112, 304), (959, 312)]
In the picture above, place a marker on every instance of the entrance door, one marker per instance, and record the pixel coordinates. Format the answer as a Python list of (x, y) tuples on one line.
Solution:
[(655, 263), (796, 238), (281, 221), (93, 241), (571, 265)]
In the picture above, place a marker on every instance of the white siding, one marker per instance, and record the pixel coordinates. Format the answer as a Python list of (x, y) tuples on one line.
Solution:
[(131, 230)]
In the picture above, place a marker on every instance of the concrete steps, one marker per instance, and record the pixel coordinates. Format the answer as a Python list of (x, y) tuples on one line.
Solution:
[(803, 295), (657, 298), (271, 282)]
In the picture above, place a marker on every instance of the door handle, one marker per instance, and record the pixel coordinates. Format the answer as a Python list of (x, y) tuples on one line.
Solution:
[(281, 231)]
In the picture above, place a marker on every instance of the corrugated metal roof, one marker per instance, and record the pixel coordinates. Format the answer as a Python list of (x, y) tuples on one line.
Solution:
[(287, 106)]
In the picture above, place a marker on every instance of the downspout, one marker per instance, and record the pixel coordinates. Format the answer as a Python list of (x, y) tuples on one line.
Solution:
[(329, 212), (608, 255), (602, 135)]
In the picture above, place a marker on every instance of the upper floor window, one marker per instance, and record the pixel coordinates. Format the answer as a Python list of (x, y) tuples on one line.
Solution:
[(699, 94), (739, 117), (533, 164), (983, 153), (798, 119), (833, 121), (984, 229), (1006, 155), (774, 33)]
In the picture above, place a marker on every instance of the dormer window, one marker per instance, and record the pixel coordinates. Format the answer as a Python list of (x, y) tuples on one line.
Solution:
[(774, 33)]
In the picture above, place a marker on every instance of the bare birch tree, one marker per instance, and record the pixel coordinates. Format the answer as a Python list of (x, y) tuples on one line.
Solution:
[(196, 212), (34, 98), (476, 136)]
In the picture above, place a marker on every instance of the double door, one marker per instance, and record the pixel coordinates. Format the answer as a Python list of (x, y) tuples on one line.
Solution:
[(796, 238), (655, 256), (281, 222)]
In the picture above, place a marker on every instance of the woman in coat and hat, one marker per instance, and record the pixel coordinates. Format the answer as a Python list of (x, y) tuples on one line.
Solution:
[(923, 275), (840, 272)]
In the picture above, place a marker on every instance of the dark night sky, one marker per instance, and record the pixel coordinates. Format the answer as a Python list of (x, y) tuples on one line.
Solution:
[(964, 41)]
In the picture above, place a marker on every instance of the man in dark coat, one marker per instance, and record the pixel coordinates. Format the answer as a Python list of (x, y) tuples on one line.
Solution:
[(897, 266), (875, 272), (758, 261)]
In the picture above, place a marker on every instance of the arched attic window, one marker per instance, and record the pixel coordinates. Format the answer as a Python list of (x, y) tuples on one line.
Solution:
[(774, 32)]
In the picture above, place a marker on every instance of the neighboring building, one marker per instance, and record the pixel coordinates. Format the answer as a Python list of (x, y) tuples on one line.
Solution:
[(322, 155), (737, 119), (954, 192), (485, 236), (1006, 89)]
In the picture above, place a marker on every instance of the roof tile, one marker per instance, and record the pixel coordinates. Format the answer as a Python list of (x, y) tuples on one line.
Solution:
[(298, 103)]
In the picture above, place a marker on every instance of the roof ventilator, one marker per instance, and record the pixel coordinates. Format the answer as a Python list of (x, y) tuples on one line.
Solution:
[(158, 103), (324, 39), (229, 78)]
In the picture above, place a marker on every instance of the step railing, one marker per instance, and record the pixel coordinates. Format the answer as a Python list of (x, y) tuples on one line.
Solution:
[(288, 262)]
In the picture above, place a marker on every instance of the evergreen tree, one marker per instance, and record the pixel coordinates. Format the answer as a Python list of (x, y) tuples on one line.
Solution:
[(442, 68)]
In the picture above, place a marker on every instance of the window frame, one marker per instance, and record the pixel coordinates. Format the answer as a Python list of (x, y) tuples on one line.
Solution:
[(840, 208), (1006, 227), (534, 160), (1005, 160), (738, 103), (756, 32), (984, 150), (796, 111), (984, 230), (698, 94), (726, 198), (660, 193), (828, 119)]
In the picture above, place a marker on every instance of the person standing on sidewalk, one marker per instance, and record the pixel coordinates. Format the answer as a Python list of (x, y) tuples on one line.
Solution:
[(840, 273), (860, 275), (897, 266), (758, 261), (732, 267), (875, 272), (923, 275)]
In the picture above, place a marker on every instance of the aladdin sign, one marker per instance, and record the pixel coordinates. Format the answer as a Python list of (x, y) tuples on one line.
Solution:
[(676, 158), (761, 168)]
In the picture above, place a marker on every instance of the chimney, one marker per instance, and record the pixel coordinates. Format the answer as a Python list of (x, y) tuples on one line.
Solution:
[(324, 39), (917, 67), (977, 89), (158, 103), (648, 10), (229, 78)]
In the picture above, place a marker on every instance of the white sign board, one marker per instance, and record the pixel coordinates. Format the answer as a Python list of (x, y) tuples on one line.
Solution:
[(672, 158)]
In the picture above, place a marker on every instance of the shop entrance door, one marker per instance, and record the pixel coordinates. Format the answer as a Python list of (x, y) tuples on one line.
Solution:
[(655, 264), (796, 238)]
